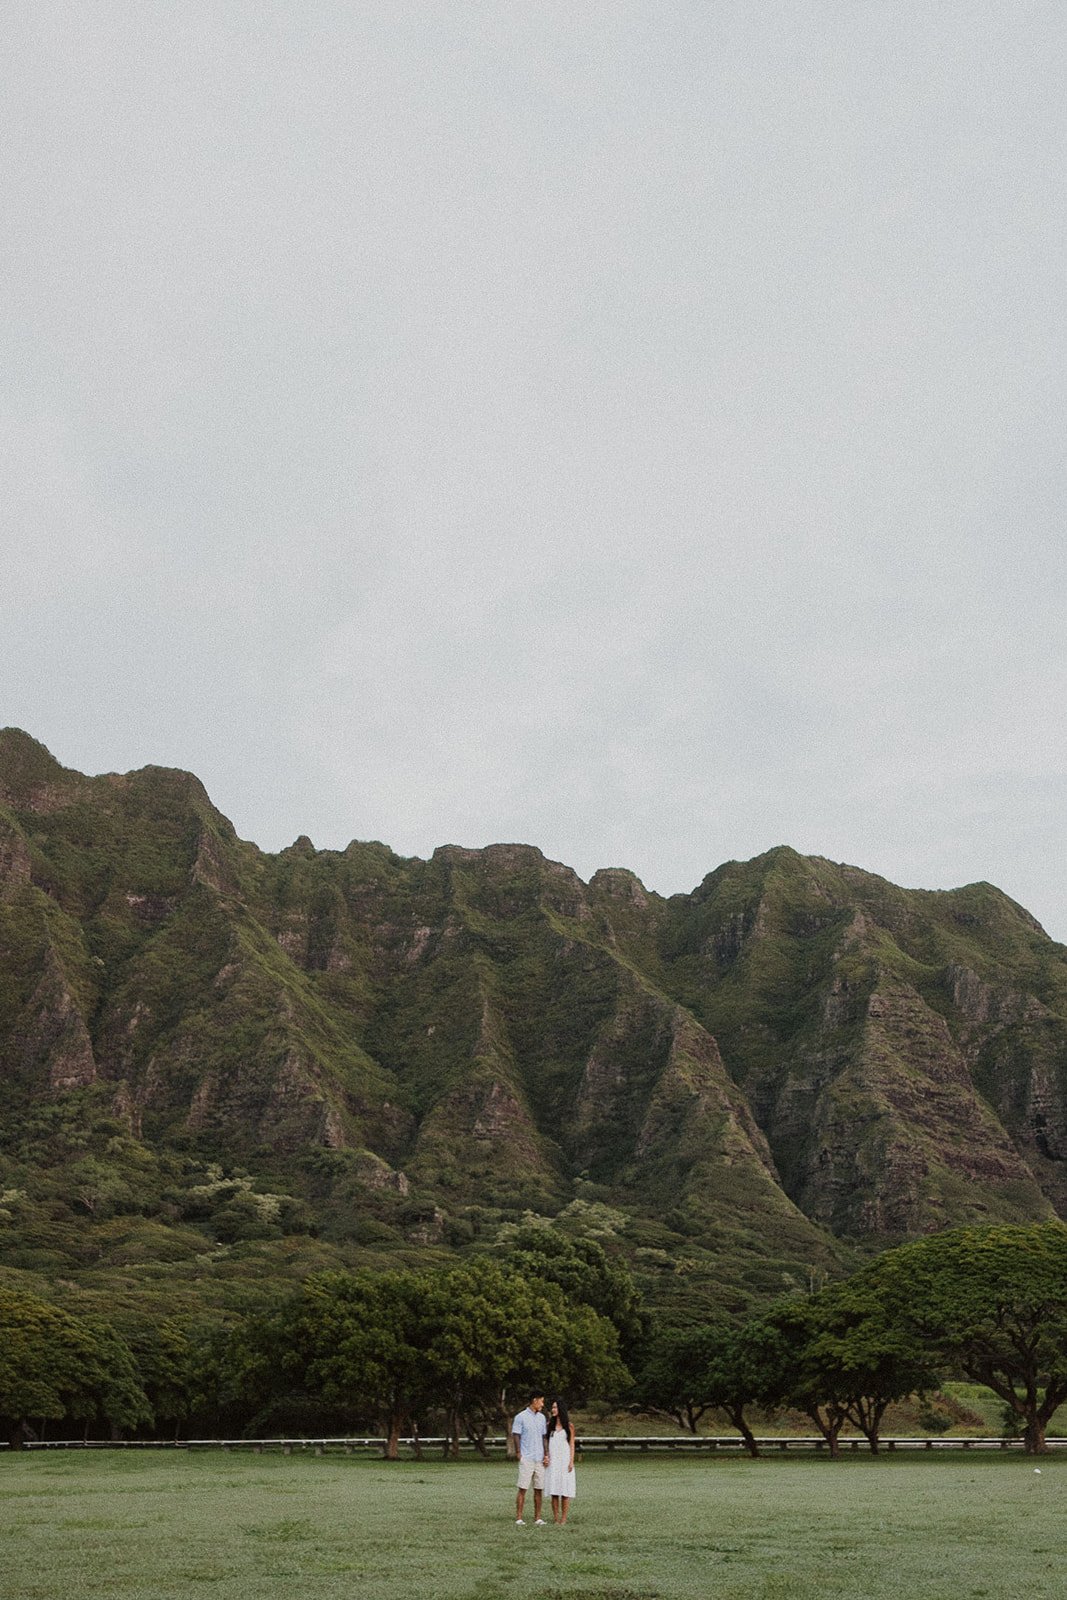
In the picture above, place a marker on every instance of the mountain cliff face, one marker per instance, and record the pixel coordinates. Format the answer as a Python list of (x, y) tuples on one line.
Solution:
[(794, 1059)]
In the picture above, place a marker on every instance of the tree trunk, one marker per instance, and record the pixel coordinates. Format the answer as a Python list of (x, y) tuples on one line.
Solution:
[(737, 1417), (1034, 1441), (866, 1415), (392, 1443), (476, 1430), (829, 1426)]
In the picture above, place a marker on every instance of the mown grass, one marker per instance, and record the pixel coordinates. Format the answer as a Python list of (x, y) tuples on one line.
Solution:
[(177, 1526)]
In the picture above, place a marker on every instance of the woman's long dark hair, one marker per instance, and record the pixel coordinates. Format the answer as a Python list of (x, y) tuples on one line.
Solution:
[(563, 1420)]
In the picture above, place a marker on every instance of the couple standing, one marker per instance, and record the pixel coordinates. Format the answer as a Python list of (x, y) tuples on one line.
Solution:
[(545, 1448)]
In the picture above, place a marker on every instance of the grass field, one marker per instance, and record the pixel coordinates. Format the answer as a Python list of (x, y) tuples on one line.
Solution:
[(169, 1527)]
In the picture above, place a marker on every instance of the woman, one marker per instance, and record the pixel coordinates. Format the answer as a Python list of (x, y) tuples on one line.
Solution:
[(559, 1479)]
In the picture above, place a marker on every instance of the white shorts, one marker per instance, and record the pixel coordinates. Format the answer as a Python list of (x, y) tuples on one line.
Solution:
[(531, 1472)]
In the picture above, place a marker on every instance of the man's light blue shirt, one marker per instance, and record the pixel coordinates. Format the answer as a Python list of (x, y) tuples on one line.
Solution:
[(530, 1426)]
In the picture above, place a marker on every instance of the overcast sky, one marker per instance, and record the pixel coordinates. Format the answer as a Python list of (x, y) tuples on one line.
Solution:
[(633, 427)]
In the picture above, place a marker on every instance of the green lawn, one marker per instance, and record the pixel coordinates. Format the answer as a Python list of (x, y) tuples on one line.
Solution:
[(168, 1527)]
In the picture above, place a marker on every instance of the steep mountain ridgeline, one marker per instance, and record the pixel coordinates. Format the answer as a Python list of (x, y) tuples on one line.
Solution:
[(862, 1021), (794, 1054)]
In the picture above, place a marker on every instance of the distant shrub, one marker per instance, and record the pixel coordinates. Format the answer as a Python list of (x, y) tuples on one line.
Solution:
[(932, 1417)]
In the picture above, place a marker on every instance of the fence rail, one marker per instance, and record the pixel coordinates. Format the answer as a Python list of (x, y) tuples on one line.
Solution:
[(726, 1444)]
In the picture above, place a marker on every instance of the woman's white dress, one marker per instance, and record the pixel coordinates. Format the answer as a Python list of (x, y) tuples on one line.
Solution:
[(558, 1480)]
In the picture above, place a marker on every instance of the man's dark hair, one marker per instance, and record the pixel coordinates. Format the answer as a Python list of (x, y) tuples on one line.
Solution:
[(535, 1394)]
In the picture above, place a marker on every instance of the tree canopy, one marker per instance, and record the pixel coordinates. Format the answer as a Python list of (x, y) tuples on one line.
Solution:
[(54, 1365), (394, 1345), (583, 1271), (992, 1301)]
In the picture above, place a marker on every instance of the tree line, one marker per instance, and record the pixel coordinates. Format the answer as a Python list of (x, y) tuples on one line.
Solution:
[(448, 1350)]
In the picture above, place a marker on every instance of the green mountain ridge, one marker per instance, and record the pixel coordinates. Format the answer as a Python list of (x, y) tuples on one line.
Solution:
[(267, 1061)]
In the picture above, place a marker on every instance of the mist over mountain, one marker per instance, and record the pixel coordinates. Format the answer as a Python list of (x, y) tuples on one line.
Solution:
[(218, 1064)]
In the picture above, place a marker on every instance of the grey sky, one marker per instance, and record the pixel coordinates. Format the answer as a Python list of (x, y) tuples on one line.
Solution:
[(632, 428)]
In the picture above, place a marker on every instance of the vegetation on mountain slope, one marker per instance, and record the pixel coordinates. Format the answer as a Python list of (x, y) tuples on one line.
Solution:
[(221, 1070)]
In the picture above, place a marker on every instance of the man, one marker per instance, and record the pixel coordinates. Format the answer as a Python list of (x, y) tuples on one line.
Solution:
[(528, 1431)]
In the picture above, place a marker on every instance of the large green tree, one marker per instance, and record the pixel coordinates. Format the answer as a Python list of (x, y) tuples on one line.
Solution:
[(743, 1368), (673, 1377), (862, 1355), (57, 1366), (169, 1364), (802, 1378), (584, 1272), (993, 1302), (397, 1346), (495, 1332), (358, 1341), (714, 1366)]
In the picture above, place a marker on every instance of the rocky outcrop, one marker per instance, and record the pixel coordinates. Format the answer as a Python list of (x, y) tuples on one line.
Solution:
[(50, 1044), (14, 859), (281, 1105), (376, 1174), (31, 779), (481, 1123), (901, 1141)]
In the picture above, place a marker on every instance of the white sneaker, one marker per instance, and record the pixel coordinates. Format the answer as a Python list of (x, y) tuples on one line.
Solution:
[(519, 1523), (540, 1523)]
